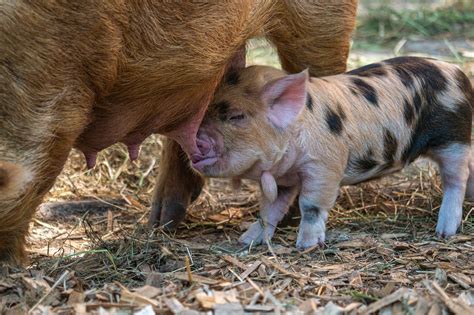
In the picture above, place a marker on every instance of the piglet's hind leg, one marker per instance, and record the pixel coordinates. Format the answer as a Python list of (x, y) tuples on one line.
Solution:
[(271, 214), (453, 162), (470, 181)]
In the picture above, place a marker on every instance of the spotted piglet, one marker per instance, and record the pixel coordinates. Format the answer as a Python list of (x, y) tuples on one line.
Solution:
[(296, 134)]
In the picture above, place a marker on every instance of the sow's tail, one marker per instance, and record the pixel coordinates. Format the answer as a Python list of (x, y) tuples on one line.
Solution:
[(13, 179)]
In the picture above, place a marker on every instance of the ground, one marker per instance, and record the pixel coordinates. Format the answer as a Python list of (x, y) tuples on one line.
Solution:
[(381, 254)]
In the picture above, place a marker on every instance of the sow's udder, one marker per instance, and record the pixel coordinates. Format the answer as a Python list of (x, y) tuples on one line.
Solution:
[(112, 128)]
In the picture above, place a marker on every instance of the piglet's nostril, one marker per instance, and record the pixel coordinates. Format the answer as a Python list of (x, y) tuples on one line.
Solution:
[(203, 146), (196, 158)]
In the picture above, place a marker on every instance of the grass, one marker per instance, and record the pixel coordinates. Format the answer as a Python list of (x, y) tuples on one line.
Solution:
[(386, 24)]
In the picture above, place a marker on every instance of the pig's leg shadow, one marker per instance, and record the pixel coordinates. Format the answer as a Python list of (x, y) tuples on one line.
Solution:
[(271, 213), (65, 209), (454, 163)]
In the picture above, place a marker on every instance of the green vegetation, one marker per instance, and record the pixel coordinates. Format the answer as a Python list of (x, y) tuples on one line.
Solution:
[(385, 24)]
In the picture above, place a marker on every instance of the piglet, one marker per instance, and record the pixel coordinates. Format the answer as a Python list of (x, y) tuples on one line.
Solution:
[(296, 134)]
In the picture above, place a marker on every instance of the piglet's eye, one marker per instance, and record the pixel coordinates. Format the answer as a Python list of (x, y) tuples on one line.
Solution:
[(237, 117)]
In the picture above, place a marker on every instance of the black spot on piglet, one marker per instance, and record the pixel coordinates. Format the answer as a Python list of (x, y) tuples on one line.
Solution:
[(311, 213), (3, 177), (222, 109), (364, 163), (427, 73), (334, 120), (374, 69), (437, 126), (232, 78), (366, 90), (309, 102), (408, 112), (390, 146)]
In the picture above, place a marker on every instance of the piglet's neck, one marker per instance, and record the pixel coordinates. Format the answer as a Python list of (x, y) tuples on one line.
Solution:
[(286, 160)]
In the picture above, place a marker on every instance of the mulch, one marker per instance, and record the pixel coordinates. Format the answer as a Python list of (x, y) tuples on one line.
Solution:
[(96, 255)]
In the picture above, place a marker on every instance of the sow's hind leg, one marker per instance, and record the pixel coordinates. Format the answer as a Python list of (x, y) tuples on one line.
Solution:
[(33, 151), (314, 37)]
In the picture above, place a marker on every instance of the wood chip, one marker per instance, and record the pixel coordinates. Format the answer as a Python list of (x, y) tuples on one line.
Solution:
[(422, 307), (441, 277), (228, 309), (205, 300), (386, 301), (196, 278), (276, 266), (234, 262), (148, 291), (255, 286), (174, 305), (259, 308), (135, 298), (387, 236), (352, 244), (154, 279), (75, 297), (250, 269), (457, 307), (464, 281), (309, 306)]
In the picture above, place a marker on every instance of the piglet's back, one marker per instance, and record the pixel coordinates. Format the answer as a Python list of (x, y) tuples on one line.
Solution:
[(387, 114)]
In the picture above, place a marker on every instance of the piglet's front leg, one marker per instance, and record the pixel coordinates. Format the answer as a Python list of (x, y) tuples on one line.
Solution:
[(318, 195), (271, 213)]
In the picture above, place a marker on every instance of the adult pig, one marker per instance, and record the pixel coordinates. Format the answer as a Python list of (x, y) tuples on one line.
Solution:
[(88, 74)]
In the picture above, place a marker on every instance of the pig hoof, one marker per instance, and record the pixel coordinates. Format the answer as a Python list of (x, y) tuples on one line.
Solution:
[(307, 240), (168, 214), (304, 246), (254, 234), (444, 234), (447, 227)]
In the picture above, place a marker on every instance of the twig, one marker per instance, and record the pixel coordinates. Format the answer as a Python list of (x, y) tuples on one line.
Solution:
[(58, 282), (188, 269)]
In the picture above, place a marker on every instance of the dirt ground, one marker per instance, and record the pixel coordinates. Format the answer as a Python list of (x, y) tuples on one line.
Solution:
[(96, 254)]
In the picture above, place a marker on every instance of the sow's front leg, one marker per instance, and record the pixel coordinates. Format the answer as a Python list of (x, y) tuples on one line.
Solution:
[(178, 185)]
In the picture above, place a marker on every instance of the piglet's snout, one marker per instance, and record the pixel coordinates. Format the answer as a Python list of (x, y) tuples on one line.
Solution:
[(209, 142), (206, 144)]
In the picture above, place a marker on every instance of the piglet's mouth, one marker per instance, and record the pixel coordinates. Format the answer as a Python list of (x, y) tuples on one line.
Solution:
[(199, 162)]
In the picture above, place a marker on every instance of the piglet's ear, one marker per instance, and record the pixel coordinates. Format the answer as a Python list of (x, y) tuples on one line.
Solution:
[(286, 98)]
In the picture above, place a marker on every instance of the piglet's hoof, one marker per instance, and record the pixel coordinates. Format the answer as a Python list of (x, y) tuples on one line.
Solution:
[(442, 235), (310, 238), (305, 246), (447, 227), (254, 235)]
